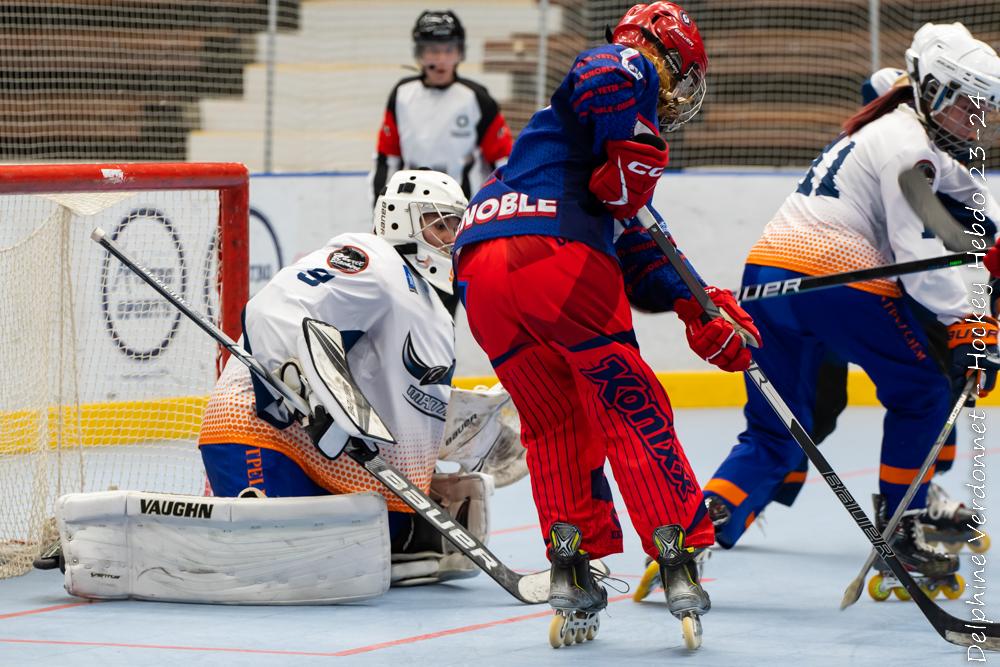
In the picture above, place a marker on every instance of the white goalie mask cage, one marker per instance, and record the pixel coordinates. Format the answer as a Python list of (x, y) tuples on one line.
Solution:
[(956, 83), (419, 212)]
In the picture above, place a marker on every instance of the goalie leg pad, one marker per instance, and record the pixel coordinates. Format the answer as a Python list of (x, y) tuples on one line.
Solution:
[(152, 546), (427, 557)]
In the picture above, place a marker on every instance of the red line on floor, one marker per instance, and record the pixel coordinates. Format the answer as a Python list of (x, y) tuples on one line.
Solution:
[(221, 649), (515, 529), (460, 630), (42, 610), (354, 651)]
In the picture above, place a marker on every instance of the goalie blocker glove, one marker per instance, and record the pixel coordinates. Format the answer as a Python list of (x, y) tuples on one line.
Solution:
[(973, 345), (625, 183), (718, 341)]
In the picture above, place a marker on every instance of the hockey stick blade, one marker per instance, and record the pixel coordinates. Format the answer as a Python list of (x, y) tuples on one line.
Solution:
[(853, 591), (524, 588), (918, 194), (950, 628), (790, 286)]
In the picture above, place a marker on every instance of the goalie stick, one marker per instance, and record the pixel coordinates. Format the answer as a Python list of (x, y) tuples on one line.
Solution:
[(529, 588), (790, 286), (853, 591), (951, 628)]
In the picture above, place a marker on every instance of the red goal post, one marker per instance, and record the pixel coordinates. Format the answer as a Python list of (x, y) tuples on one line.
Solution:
[(230, 179), (104, 382)]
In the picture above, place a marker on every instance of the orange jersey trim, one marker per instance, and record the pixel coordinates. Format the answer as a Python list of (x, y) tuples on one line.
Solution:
[(727, 490), (894, 475)]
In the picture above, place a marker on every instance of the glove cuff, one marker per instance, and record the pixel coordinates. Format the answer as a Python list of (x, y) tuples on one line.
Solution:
[(972, 328)]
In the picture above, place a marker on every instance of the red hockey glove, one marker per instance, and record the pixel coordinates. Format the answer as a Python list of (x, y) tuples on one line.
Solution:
[(625, 182), (718, 341), (992, 260)]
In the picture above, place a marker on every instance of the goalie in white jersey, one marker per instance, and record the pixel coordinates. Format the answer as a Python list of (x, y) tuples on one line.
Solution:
[(385, 292), (316, 529), (849, 212)]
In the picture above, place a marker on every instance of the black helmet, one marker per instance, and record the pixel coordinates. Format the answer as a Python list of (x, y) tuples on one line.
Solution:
[(438, 26)]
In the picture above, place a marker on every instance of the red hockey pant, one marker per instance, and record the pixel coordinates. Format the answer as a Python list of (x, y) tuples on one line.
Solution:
[(555, 321)]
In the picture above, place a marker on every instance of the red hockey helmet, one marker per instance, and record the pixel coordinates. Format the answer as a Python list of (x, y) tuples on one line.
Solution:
[(668, 37)]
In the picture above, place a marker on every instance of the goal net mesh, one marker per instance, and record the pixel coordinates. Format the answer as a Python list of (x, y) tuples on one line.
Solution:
[(104, 382)]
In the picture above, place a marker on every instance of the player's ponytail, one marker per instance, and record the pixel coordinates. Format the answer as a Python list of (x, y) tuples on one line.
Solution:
[(878, 107)]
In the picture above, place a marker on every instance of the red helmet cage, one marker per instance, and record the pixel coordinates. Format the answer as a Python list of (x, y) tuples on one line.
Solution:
[(669, 31)]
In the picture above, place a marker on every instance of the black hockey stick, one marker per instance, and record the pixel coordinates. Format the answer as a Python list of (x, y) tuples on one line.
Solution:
[(952, 629), (530, 588), (853, 591), (777, 288)]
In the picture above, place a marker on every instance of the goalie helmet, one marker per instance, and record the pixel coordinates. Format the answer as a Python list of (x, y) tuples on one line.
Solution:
[(667, 36), (439, 27), (956, 88), (419, 212)]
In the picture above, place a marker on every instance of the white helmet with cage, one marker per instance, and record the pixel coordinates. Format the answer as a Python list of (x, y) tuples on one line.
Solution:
[(956, 84), (419, 212)]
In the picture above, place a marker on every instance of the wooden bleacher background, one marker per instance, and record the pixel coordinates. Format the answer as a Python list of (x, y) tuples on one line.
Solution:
[(132, 79)]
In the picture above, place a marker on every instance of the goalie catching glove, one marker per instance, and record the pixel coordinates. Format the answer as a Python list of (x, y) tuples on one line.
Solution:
[(718, 341), (973, 345), (625, 183)]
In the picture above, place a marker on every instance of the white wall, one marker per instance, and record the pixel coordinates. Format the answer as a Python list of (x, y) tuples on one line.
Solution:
[(714, 215)]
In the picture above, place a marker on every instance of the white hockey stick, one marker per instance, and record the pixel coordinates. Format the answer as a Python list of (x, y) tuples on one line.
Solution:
[(921, 198)]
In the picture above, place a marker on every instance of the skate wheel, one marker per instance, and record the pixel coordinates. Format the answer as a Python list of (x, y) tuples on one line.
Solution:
[(647, 583), (557, 631), (875, 589), (954, 590), (691, 629), (930, 590), (902, 593), (981, 545), (592, 630)]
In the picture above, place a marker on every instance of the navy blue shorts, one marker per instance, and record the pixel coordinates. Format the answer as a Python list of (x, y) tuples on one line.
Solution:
[(233, 467)]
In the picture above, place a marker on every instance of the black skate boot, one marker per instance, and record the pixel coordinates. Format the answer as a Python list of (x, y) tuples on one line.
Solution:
[(718, 513), (51, 555), (686, 599), (574, 592), (932, 568), (949, 523)]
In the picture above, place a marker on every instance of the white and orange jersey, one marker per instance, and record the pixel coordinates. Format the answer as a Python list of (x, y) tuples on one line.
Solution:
[(401, 350), (848, 213)]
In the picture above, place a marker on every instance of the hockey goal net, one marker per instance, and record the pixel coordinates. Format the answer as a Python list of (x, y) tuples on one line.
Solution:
[(104, 383)]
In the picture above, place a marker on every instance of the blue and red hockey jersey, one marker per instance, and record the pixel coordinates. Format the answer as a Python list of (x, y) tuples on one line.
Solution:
[(611, 93)]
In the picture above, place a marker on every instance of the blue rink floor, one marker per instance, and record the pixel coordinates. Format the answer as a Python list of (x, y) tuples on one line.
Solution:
[(775, 596)]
